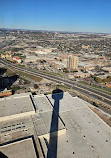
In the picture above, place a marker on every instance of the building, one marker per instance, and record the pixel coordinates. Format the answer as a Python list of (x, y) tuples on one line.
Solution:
[(17, 59), (107, 69), (59, 65), (16, 106), (55, 125), (81, 74), (6, 56), (72, 63), (70, 75), (87, 66), (5, 93), (30, 58), (85, 46)]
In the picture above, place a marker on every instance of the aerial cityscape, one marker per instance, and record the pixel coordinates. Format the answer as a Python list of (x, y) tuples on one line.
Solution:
[(55, 80)]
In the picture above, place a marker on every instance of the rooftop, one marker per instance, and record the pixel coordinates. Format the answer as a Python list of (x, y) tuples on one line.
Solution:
[(15, 106), (64, 125), (84, 128), (23, 148)]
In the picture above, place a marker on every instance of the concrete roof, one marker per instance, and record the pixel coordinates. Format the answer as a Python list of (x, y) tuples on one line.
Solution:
[(77, 132), (42, 121), (18, 104), (42, 104), (24, 148), (15, 129), (87, 136), (67, 103)]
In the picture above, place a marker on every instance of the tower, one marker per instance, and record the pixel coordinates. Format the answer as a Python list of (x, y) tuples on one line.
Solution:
[(72, 63)]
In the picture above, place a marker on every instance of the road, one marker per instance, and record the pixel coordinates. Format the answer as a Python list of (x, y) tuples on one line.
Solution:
[(6, 44), (88, 91)]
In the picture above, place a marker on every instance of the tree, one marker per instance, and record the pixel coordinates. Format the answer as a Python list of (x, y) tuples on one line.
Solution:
[(36, 86), (65, 70), (95, 104)]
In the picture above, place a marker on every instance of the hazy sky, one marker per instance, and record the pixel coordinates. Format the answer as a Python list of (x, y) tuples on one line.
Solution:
[(58, 15)]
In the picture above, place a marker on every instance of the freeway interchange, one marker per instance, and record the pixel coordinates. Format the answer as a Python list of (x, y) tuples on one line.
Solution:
[(84, 89)]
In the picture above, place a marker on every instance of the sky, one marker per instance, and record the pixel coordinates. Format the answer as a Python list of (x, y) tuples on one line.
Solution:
[(57, 15)]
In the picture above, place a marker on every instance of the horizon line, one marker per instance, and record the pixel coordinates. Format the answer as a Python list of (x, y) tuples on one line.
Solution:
[(54, 31)]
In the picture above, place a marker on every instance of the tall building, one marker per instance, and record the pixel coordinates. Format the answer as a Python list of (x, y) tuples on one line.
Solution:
[(72, 63)]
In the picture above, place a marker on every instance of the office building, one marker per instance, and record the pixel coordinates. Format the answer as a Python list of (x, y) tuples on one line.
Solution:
[(72, 63)]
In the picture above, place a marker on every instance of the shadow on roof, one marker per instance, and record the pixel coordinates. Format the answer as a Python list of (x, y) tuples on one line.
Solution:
[(57, 95), (2, 155)]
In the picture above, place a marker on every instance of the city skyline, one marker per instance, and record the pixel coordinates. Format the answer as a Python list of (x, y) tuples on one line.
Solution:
[(71, 16)]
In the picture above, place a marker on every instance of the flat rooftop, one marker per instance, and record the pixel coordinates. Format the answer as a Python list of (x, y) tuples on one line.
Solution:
[(64, 125), (24, 148), (16, 129), (43, 120), (16, 106), (86, 136)]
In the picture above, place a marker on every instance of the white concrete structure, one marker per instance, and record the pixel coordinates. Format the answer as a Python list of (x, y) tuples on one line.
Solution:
[(17, 59), (81, 74), (23, 148), (16, 106), (30, 58), (65, 126), (15, 129), (87, 136), (42, 122)]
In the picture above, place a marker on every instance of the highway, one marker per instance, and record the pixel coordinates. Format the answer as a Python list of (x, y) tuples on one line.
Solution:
[(86, 90), (6, 44)]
